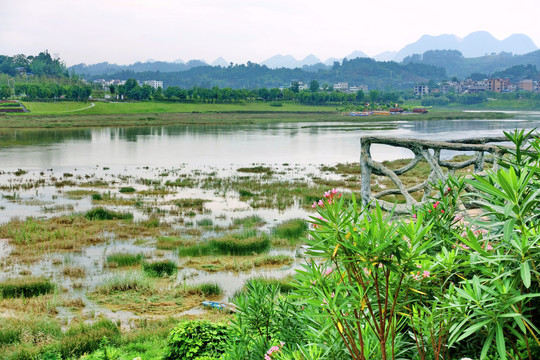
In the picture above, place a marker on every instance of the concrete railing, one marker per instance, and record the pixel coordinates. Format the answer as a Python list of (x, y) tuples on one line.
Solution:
[(427, 150)]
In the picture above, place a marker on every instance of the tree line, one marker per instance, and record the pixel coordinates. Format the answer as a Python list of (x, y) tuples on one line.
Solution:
[(131, 90)]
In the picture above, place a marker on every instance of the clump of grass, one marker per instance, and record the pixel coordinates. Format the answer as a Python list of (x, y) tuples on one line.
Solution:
[(256, 170), (25, 287), (130, 281), (245, 193), (97, 197), (150, 223), (206, 289), (273, 260), (127, 189), (34, 330), (292, 230), (249, 221), (245, 243), (169, 242), (124, 259), (205, 222), (74, 271), (84, 339), (160, 268), (196, 249), (105, 214)]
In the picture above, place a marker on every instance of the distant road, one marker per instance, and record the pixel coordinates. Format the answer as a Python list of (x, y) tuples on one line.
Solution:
[(88, 107)]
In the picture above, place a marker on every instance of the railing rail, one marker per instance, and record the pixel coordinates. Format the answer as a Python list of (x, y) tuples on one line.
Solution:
[(427, 150)]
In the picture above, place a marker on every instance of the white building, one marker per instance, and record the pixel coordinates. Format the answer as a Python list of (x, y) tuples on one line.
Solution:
[(154, 83), (342, 86)]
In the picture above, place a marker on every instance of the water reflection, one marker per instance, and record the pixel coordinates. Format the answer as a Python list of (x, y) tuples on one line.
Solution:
[(216, 145)]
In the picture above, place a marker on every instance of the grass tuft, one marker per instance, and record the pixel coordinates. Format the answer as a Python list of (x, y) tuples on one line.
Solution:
[(160, 268), (25, 287), (124, 259), (105, 214)]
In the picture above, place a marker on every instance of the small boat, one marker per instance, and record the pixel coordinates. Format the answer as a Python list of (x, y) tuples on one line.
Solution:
[(220, 305), (358, 113)]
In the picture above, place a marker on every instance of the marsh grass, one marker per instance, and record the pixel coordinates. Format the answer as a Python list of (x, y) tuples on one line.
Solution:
[(26, 287), (124, 259), (170, 242), (248, 242), (74, 271), (207, 222), (32, 238), (30, 329), (273, 260), (160, 268), (292, 230), (85, 338), (129, 281), (127, 190), (285, 285), (249, 221), (245, 243), (256, 170), (205, 289), (105, 214)]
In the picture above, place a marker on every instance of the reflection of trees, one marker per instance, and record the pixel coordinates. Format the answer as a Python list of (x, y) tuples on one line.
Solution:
[(42, 136)]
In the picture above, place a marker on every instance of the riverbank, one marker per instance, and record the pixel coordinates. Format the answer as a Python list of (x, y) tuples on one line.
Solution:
[(79, 115)]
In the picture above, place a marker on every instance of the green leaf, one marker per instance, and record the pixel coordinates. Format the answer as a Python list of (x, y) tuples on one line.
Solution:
[(499, 339), (526, 274)]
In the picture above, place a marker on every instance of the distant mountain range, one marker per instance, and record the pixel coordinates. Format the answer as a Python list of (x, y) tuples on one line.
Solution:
[(474, 45)]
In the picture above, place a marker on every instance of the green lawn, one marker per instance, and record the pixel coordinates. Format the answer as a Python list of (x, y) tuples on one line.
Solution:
[(66, 108)]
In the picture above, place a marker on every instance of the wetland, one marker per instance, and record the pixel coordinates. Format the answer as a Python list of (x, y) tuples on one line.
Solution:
[(140, 224)]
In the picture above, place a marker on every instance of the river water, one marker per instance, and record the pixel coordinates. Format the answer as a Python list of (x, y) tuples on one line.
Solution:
[(198, 146)]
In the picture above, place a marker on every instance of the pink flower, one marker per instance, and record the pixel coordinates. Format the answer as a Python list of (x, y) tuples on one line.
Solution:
[(414, 216), (425, 273), (333, 294), (334, 191), (328, 271), (489, 247), (442, 211), (321, 203), (314, 205), (435, 205)]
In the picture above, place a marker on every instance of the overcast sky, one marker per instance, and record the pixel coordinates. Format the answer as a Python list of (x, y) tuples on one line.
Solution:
[(126, 31)]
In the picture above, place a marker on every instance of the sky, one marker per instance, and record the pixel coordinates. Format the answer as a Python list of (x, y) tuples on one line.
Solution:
[(126, 31)]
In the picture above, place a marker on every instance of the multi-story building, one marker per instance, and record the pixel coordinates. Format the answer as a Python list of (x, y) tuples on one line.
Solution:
[(154, 83), (526, 85), (498, 84), (342, 86), (421, 90)]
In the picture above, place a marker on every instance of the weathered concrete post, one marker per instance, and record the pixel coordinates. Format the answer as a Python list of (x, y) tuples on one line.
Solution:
[(365, 170)]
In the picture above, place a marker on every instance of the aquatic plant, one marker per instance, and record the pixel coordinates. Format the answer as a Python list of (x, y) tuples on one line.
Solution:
[(160, 268)]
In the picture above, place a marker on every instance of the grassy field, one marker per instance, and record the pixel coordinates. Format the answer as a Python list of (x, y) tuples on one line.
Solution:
[(48, 108), (79, 115)]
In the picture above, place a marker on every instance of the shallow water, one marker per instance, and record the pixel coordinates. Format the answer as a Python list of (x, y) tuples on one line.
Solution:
[(124, 156)]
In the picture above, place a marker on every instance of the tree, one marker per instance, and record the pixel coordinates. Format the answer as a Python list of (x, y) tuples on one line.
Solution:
[(295, 87), (314, 86), (360, 96), (111, 88), (5, 91)]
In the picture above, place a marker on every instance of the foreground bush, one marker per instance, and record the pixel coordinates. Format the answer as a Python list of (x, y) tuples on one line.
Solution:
[(195, 339), (433, 286)]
